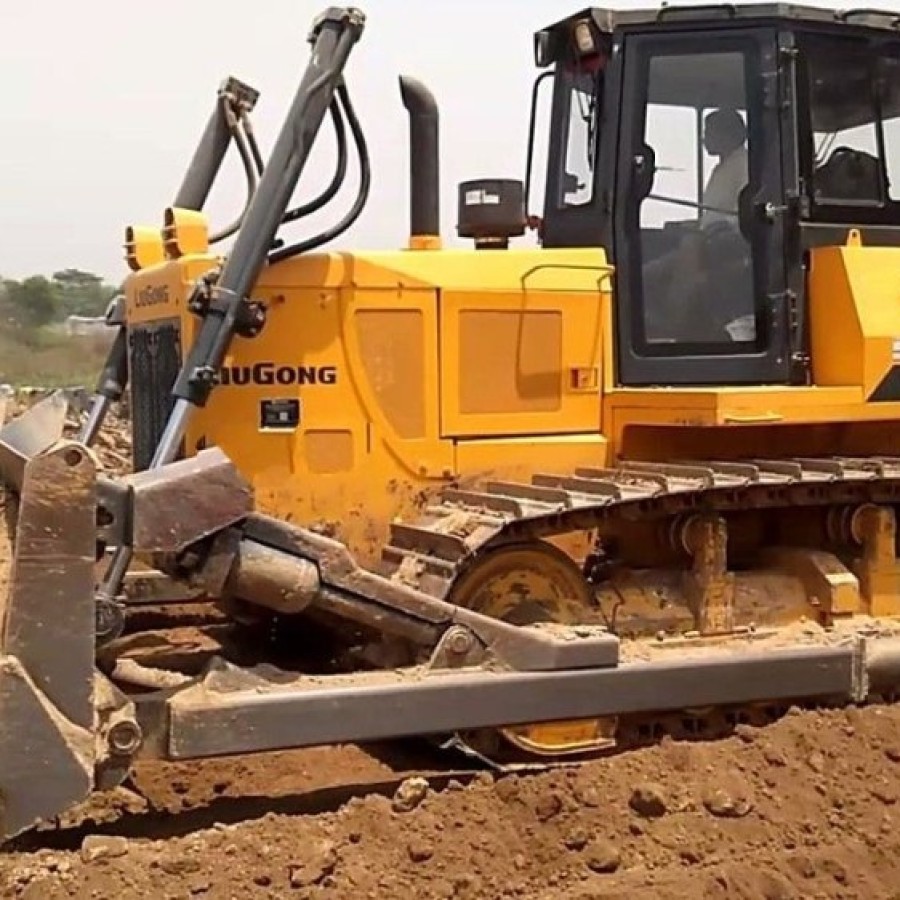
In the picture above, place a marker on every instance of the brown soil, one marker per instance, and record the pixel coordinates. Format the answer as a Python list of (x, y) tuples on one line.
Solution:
[(805, 808)]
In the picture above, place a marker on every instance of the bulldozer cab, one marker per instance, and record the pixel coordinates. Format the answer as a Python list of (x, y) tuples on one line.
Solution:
[(707, 149)]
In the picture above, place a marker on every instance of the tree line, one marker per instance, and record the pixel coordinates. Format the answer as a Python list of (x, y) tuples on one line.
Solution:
[(35, 303)]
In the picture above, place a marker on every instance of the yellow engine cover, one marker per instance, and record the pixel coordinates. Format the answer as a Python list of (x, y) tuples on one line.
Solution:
[(379, 378)]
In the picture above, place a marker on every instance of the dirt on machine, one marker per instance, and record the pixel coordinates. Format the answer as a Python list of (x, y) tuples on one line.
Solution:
[(534, 503)]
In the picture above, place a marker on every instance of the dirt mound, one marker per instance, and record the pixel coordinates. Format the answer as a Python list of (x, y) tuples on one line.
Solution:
[(805, 808)]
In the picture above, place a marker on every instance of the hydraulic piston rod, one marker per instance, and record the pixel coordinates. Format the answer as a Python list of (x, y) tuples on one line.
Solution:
[(332, 38)]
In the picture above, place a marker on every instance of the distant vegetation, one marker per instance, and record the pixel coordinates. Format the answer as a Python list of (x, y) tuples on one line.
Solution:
[(35, 346)]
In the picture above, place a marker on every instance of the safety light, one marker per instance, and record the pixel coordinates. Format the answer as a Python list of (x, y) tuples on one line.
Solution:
[(584, 38), (143, 247), (185, 231)]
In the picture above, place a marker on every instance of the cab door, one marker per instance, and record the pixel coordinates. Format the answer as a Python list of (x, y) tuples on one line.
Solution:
[(698, 232)]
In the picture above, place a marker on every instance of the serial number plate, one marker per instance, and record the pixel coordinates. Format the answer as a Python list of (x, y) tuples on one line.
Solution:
[(281, 415)]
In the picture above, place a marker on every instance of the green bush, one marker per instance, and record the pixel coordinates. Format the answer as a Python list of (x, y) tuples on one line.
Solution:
[(34, 351)]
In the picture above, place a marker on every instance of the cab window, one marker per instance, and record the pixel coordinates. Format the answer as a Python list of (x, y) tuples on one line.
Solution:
[(854, 112)]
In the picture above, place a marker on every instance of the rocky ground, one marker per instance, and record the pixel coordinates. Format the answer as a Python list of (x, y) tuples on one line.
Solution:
[(805, 808), (113, 445), (808, 807)]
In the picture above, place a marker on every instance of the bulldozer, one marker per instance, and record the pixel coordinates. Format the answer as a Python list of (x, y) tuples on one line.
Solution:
[(536, 502)]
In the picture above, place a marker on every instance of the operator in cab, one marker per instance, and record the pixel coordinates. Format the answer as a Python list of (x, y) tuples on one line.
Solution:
[(704, 259), (724, 136)]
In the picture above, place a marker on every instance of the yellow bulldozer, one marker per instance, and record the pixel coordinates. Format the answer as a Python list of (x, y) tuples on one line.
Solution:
[(540, 502)]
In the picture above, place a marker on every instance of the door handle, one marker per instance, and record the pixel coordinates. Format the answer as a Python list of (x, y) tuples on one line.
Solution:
[(770, 212)]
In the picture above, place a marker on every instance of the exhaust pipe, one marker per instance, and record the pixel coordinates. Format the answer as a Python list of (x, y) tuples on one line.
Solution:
[(424, 165)]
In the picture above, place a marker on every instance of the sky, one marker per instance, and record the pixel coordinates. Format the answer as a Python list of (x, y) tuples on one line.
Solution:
[(104, 102)]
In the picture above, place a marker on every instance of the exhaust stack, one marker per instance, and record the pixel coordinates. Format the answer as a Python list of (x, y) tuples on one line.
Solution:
[(424, 165)]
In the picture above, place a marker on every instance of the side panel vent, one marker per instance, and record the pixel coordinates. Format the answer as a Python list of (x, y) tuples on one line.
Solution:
[(154, 351)]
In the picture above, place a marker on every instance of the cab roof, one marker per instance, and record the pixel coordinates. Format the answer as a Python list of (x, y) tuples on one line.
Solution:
[(608, 20)]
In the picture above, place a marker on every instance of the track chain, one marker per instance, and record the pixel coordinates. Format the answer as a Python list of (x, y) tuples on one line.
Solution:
[(429, 553)]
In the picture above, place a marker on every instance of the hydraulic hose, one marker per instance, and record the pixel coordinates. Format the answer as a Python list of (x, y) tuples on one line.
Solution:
[(251, 140), (359, 139), (250, 171), (340, 173)]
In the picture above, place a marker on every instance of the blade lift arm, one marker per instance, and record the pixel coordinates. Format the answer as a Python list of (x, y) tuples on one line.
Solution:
[(230, 119)]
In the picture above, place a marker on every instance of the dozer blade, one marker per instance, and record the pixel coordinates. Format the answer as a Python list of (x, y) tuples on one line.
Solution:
[(47, 748), (29, 434)]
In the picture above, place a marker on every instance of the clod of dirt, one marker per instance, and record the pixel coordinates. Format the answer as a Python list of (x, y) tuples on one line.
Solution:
[(773, 887), (321, 860), (649, 801), (507, 789), (179, 865), (419, 849), (727, 803), (835, 869), (816, 761), (96, 847), (576, 839), (586, 794), (409, 795), (774, 757), (199, 885), (885, 793), (603, 857), (548, 807), (746, 733), (802, 865), (893, 753)]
